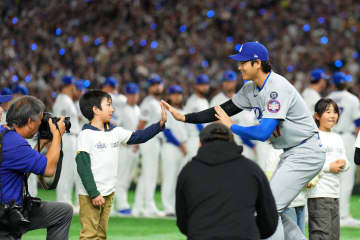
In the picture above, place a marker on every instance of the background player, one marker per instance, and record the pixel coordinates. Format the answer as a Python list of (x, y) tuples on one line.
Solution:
[(286, 121), (347, 127)]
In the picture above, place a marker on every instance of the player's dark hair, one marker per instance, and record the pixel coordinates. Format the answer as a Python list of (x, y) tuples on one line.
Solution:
[(265, 66), (216, 131), (90, 99), (322, 105)]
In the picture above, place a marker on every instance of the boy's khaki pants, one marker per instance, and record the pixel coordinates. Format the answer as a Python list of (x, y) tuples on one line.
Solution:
[(94, 219)]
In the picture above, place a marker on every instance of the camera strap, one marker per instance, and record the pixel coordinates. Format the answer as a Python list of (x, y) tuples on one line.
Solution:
[(1, 158)]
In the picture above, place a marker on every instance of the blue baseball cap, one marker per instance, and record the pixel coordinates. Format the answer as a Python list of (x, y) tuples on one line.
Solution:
[(318, 74), (340, 77), (81, 84), (21, 89), (5, 95), (112, 82), (154, 79), (229, 76), (175, 89), (67, 80), (251, 51), (6, 91), (131, 88), (202, 79)]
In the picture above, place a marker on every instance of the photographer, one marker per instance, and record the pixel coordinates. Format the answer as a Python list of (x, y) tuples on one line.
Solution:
[(18, 159)]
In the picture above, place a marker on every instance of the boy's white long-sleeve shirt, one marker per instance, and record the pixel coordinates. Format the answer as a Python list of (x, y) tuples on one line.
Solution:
[(329, 183)]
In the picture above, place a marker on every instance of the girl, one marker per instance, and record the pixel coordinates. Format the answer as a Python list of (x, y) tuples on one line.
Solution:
[(324, 189)]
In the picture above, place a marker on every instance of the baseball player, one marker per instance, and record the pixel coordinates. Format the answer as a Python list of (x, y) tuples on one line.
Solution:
[(5, 105), (245, 118), (65, 106), (128, 116), (150, 112), (318, 82), (357, 151), (195, 103), (173, 152), (285, 121), (349, 123)]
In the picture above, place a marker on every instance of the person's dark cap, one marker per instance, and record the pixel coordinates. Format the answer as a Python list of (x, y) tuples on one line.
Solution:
[(110, 81), (175, 89), (131, 88), (154, 79), (202, 79), (5, 98), (340, 77), (318, 74), (67, 80), (216, 131), (21, 89), (229, 76), (251, 51)]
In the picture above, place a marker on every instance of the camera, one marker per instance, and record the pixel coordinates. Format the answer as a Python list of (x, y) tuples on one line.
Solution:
[(44, 129), (16, 222)]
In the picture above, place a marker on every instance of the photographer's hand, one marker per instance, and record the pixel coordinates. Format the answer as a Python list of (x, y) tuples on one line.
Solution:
[(60, 127)]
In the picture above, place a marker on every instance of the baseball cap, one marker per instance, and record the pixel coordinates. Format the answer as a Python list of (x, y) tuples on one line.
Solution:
[(251, 51), (6, 91), (175, 89), (154, 79), (81, 84), (202, 79), (318, 74), (229, 76), (5, 95), (340, 77), (66, 80), (131, 88), (21, 89), (112, 82)]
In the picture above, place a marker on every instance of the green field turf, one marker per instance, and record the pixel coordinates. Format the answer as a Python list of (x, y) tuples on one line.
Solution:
[(159, 229)]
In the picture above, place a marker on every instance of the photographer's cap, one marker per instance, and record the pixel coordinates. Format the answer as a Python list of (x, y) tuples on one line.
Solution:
[(229, 76), (21, 89), (340, 77), (202, 79), (67, 80), (251, 51), (154, 79), (131, 88), (318, 74), (175, 89), (110, 81)]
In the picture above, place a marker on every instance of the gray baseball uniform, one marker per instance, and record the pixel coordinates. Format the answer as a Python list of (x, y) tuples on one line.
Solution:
[(296, 133)]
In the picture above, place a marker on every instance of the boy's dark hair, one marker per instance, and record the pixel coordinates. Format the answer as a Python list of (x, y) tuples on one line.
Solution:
[(265, 66), (216, 131), (90, 99), (322, 105)]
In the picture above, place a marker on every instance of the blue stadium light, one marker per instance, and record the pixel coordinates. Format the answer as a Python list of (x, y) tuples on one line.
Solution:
[(86, 38), (153, 26), (53, 94), (229, 39), (262, 11), (90, 59), (14, 20), (321, 20), (238, 46), (338, 63), (58, 32), (192, 50), (28, 78), (130, 43), (110, 44), (154, 44), (143, 43), (33, 46), (205, 64), (97, 42), (324, 40), (182, 28), (13, 42), (210, 13), (15, 78), (306, 28), (355, 55), (62, 51), (70, 40), (290, 68)]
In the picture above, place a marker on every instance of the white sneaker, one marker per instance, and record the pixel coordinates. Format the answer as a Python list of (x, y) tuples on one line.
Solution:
[(349, 222), (135, 212)]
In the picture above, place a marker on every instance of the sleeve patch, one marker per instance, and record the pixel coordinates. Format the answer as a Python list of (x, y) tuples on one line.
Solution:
[(273, 106)]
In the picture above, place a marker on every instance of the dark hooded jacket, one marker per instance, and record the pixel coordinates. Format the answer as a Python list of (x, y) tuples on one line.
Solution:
[(222, 195)]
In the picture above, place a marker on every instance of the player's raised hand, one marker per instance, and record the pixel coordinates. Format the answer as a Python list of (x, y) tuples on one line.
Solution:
[(223, 117), (163, 115), (175, 113)]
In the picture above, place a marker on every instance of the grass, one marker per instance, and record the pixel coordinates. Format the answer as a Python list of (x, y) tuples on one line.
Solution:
[(158, 229)]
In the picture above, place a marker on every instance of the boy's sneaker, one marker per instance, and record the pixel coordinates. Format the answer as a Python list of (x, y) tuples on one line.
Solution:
[(124, 212), (349, 222)]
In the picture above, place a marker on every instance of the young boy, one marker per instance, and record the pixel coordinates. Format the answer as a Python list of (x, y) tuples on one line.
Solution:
[(99, 143)]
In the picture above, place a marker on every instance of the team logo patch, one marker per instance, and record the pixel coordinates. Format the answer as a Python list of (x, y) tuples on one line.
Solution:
[(273, 106), (274, 95)]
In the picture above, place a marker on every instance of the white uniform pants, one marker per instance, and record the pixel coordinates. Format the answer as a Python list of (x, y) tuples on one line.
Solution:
[(69, 176), (347, 178), (145, 190), (126, 166), (172, 160), (192, 145)]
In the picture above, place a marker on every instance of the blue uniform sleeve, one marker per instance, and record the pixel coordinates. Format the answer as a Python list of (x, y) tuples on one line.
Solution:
[(199, 127), (261, 132), (247, 142), (141, 136), (170, 137), (357, 122)]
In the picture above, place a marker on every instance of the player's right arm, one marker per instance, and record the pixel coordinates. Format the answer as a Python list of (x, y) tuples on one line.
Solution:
[(204, 116)]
